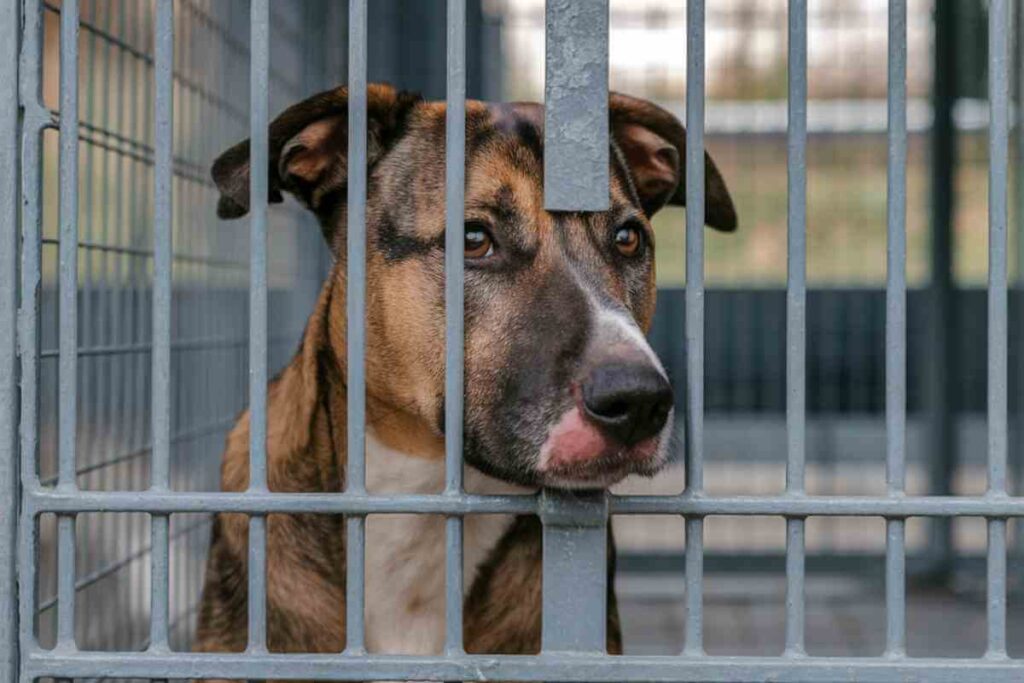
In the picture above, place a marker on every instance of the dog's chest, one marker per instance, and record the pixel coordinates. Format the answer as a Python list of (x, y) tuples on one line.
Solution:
[(405, 554)]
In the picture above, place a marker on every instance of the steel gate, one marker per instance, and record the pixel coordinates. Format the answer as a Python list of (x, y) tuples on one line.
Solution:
[(574, 593)]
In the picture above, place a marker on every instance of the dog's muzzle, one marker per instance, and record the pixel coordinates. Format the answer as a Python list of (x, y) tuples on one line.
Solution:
[(615, 428)]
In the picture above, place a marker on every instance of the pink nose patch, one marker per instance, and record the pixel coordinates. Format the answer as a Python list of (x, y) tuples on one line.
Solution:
[(572, 441)]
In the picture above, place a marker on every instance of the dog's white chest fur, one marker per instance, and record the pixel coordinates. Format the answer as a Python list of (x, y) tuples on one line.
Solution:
[(405, 554)]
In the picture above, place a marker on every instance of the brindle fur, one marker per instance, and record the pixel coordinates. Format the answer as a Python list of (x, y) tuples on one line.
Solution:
[(530, 307)]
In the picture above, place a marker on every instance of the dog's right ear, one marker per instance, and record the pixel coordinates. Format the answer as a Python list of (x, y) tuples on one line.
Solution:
[(309, 150)]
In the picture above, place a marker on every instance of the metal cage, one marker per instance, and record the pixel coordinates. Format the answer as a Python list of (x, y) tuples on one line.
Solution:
[(186, 285)]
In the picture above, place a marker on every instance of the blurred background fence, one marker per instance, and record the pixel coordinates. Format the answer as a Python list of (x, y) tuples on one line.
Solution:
[(745, 428)]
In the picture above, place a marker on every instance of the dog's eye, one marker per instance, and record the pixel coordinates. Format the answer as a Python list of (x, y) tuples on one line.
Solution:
[(629, 240), (478, 242)]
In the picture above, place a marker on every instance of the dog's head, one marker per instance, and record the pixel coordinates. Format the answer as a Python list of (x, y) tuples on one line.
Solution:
[(561, 387)]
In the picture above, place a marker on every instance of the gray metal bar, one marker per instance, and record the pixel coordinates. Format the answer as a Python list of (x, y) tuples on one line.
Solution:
[(66, 572), (9, 485), (575, 586), (941, 358), (545, 667), (10, 23), (998, 311), (576, 106), (68, 312), (29, 74), (68, 251), (163, 32), (455, 182), (694, 505), (896, 330), (694, 332), (356, 319), (259, 167), (796, 321)]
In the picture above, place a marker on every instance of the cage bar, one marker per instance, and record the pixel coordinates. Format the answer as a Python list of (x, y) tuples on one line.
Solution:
[(259, 167), (694, 331), (430, 504), (998, 312), (33, 123), (454, 250), (68, 335), (356, 327), (896, 329), (576, 106), (68, 249), (576, 125), (545, 667), (163, 249), (796, 322), (10, 23)]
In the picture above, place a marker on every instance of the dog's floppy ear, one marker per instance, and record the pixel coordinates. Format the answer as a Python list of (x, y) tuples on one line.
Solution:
[(309, 148), (653, 143)]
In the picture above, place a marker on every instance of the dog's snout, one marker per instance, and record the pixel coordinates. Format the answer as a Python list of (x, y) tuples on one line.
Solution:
[(629, 402)]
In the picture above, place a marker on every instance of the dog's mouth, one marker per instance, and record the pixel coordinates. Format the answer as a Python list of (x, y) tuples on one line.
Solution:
[(579, 455)]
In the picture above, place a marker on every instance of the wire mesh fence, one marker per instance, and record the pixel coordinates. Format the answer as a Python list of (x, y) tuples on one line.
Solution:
[(210, 275)]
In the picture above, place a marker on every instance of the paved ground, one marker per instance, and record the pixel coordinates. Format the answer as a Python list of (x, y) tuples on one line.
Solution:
[(744, 615)]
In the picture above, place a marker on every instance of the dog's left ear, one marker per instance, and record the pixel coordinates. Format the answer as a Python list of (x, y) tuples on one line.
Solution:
[(308, 146), (653, 142)]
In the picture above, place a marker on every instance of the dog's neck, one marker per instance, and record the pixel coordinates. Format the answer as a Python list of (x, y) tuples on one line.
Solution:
[(405, 554)]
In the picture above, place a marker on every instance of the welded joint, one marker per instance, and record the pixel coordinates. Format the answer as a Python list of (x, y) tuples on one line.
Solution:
[(586, 509)]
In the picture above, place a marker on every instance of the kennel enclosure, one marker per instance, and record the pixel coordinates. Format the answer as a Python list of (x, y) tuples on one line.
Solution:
[(72, 253)]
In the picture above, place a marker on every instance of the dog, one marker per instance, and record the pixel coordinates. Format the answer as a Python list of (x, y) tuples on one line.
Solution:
[(561, 387)]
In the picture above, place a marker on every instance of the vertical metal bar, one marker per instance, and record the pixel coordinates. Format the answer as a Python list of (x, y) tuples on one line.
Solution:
[(576, 172), (896, 329), (575, 585), (455, 170), (29, 70), (258, 175), (942, 360), (1017, 475), (695, 31), (796, 320), (576, 106), (998, 312), (356, 319), (66, 574), (10, 23), (68, 252), (68, 334), (162, 257)]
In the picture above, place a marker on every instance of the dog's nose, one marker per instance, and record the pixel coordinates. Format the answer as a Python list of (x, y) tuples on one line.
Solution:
[(629, 402)]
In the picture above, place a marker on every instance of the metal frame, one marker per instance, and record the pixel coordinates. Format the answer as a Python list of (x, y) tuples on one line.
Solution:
[(574, 526)]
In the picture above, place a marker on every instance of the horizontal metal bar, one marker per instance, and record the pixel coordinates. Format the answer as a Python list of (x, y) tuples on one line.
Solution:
[(995, 507), (545, 667)]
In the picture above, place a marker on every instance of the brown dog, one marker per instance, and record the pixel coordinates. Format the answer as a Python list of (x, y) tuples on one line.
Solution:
[(561, 387)]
